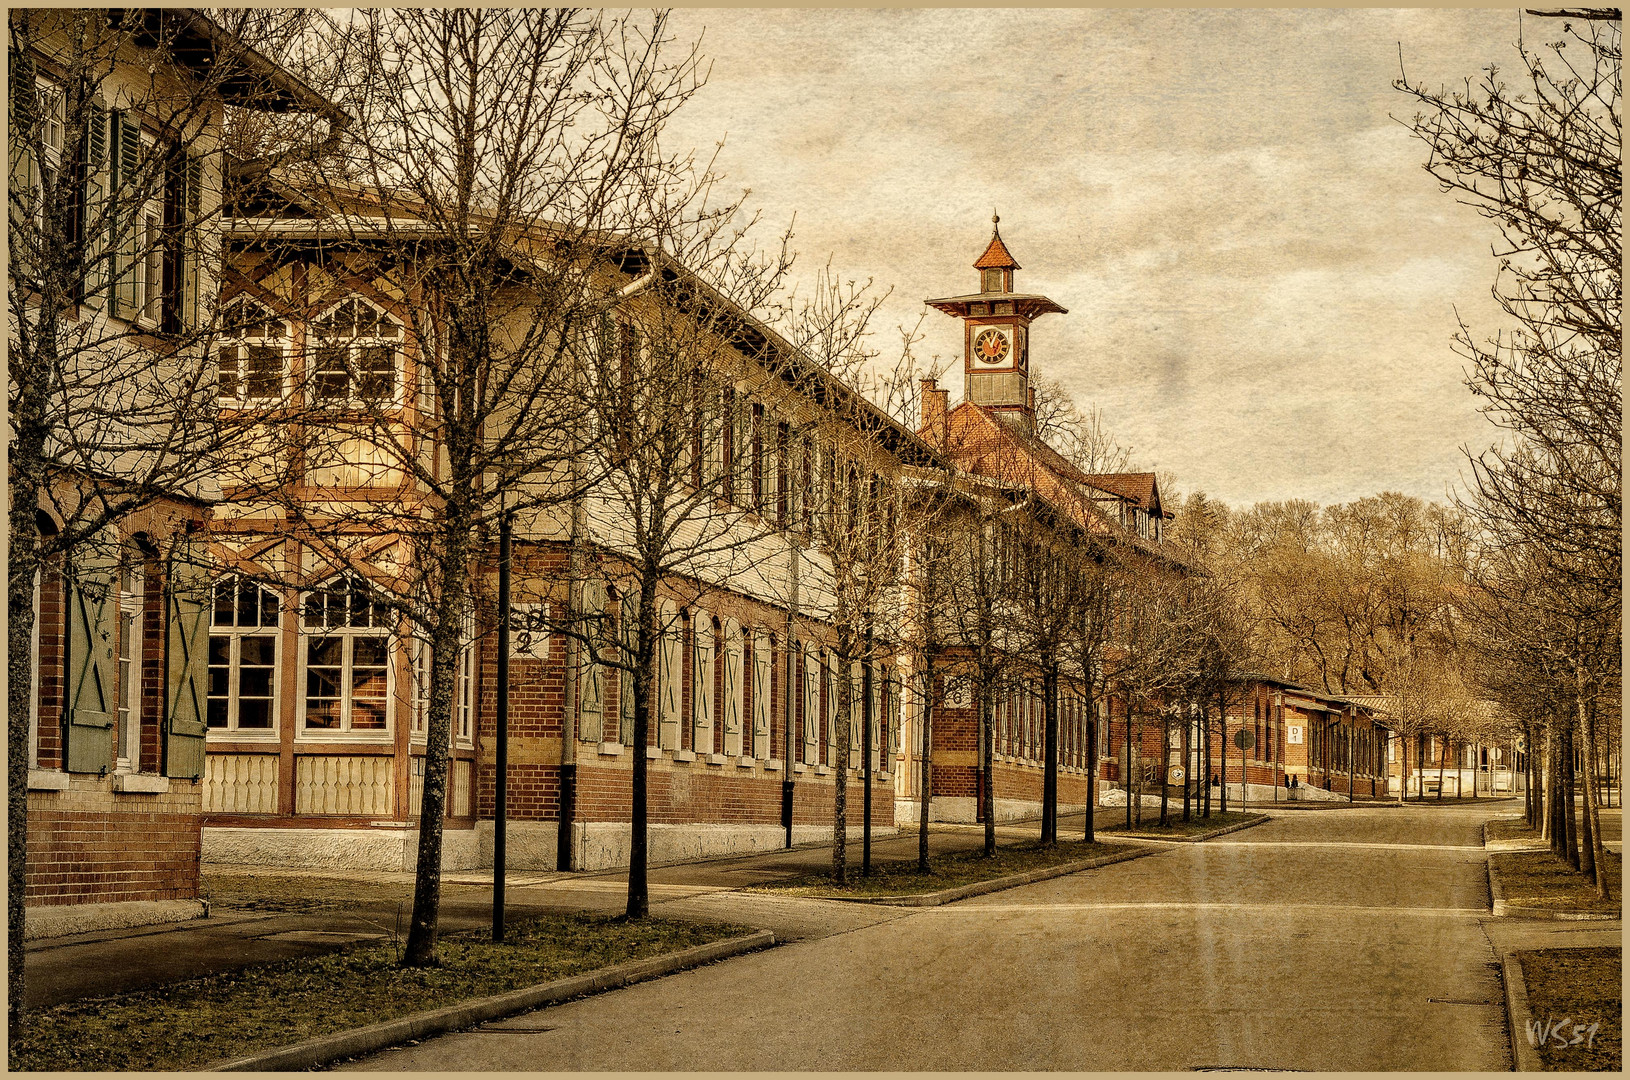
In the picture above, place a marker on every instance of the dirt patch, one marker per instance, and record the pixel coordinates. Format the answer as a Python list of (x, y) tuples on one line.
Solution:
[(1538, 879), (946, 871), (1574, 996), (1192, 827)]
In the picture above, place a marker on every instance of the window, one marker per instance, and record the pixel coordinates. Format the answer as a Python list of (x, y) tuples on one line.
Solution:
[(243, 658), (127, 739), (347, 658), (757, 503), (251, 360), (992, 281), (357, 353), (463, 689)]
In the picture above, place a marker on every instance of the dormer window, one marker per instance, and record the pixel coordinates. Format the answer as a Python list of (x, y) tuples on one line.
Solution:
[(358, 350), (252, 357)]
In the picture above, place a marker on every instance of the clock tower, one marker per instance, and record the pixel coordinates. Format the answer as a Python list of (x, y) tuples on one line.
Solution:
[(996, 334)]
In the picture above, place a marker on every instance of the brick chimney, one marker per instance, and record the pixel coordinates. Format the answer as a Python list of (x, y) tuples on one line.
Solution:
[(934, 405)]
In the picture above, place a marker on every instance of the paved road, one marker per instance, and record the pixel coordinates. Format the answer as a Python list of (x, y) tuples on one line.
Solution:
[(1344, 940)]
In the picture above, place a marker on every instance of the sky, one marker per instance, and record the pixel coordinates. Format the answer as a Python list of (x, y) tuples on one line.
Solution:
[(1262, 281)]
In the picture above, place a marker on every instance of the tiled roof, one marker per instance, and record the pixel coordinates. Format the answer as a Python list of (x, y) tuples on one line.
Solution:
[(996, 256), (1137, 486)]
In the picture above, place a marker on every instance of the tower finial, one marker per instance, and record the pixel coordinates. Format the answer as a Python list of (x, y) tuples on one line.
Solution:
[(995, 218)]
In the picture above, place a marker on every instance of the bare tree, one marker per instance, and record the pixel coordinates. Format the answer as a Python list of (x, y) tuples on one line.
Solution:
[(113, 188), (475, 230)]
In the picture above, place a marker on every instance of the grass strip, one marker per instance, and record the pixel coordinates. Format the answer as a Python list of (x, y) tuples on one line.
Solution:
[(1193, 827), (1575, 988), (946, 871), (1538, 879), (189, 1024)]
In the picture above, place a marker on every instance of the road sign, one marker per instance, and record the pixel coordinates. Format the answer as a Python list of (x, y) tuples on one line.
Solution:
[(1244, 739), (1176, 774)]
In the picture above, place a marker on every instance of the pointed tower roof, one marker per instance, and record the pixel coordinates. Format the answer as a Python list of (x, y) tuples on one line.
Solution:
[(996, 257)]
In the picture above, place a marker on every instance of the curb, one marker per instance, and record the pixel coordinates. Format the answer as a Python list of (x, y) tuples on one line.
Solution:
[(1500, 908), (315, 1053), (979, 888), (1263, 820), (1518, 1016)]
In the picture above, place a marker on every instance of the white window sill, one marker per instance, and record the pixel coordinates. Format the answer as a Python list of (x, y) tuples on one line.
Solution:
[(140, 783), (717, 759), (611, 749), (797, 767), (684, 755), (215, 735), (744, 762), (882, 776), (821, 770), (47, 780), (772, 765), (652, 752)]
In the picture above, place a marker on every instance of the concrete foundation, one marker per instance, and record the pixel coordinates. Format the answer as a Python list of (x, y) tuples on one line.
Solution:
[(389, 848), (60, 920), (964, 810)]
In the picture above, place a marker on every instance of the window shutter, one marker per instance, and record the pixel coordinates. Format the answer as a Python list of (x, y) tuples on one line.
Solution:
[(592, 707), (732, 687), (670, 674), (812, 705), (20, 179), (91, 207), (186, 661), (124, 213), (625, 686), (192, 239), (701, 694), (92, 609), (856, 708), (761, 686), (829, 677)]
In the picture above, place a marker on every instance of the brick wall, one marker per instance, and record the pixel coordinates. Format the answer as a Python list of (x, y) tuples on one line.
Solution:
[(90, 844)]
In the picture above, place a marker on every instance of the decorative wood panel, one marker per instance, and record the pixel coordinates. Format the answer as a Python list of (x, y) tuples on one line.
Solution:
[(355, 784), (240, 784)]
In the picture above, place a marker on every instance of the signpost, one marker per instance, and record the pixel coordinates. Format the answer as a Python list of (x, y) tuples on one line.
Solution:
[(1244, 738)]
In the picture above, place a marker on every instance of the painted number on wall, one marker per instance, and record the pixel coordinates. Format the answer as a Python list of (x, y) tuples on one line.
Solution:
[(1293, 734)]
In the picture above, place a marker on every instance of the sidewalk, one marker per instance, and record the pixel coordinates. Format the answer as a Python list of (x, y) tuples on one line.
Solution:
[(263, 914)]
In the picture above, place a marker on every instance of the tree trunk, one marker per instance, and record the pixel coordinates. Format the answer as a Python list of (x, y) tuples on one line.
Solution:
[(1049, 775), (1092, 768), (1204, 779), (1570, 821), (840, 768), (453, 587), (22, 570), (987, 741), (1595, 850), (639, 892), (1443, 754), (1188, 766), (1165, 756), (926, 766)]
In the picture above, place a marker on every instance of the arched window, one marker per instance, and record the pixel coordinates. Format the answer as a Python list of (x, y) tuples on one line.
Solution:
[(357, 355), (252, 355), (243, 658), (347, 630), (463, 686)]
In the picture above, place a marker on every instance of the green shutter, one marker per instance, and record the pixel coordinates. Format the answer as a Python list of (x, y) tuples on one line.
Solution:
[(93, 290), (92, 611), (20, 161), (186, 661), (191, 242), (628, 635), (591, 722), (124, 216)]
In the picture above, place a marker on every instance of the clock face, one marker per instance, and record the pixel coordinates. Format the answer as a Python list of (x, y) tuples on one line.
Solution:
[(991, 346)]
